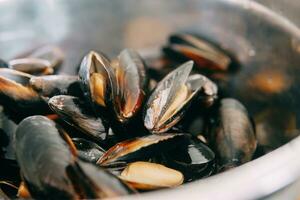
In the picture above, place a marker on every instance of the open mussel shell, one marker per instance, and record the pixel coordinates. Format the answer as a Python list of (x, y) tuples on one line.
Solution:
[(77, 113), (150, 176), (195, 161), (34, 66), (232, 134), (17, 95), (97, 78), (51, 53), (184, 46), (163, 109), (173, 96), (88, 150), (141, 148), (43, 156), (49, 86)]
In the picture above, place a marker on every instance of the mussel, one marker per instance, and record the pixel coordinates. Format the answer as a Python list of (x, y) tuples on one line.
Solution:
[(195, 161), (97, 79), (76, 112), (184, 46), (17, 95), (141, 148), (34, 66), (40, 152), (51, 170), (119, 85), (49, 86), (172, 97), (232, 134), (131, 84)]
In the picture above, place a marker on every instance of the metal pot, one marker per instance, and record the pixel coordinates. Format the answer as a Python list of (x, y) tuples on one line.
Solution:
[(261, 40)]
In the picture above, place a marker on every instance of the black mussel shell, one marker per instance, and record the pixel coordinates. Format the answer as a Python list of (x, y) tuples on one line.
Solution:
[(195, 161), (77, 113), (184, 46), (97, 78), (42, 149), (163, 109), (43, 157), (132, 82), (88, 150), (232, 134), (142, 148), (17, 95), (173, 96), (49, 86)]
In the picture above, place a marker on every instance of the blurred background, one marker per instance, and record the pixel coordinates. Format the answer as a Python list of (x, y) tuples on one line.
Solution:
[(26, 23)]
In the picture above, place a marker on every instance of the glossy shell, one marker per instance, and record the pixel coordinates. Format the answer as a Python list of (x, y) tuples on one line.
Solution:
[(141, 148), (184, 46), (52, 85), (195, 161), (88, 150), (75, 112), (131, 78), (17, 95), (173, 95), (232, 135), (97, 80), (39, 146)]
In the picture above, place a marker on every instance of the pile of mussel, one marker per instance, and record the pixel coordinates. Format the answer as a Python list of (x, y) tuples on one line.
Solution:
[(121, 126)]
